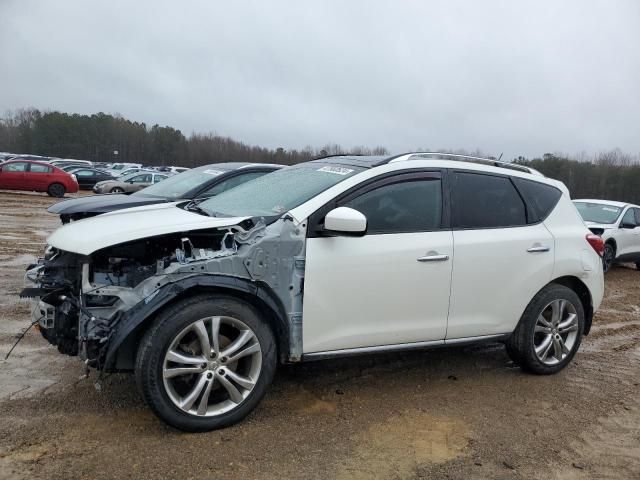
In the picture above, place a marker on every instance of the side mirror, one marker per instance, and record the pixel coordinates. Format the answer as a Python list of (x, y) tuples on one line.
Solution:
[(345, 221), (628, 225)]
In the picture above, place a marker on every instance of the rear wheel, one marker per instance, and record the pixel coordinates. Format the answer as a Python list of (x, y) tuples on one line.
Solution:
[(206, 363), (549, 332), (56, 190), (608, 257), (116, 190)]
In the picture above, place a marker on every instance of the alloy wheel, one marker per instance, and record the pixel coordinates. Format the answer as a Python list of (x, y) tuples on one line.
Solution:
[(212, 366), (556, 332)]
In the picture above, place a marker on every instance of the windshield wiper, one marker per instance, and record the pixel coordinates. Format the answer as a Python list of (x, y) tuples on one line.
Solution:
[(192, 206)]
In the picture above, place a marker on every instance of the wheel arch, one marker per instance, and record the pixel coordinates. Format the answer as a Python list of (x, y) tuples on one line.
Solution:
[(579, 287), (122, 348)]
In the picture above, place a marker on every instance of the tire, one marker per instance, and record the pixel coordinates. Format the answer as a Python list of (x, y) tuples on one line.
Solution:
[(528, 343), (177, 334), (56, 190), (638, 265), (608, 257), (116, 190)]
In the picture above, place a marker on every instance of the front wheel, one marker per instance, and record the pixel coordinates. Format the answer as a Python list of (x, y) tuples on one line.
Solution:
[(550, 331), (206, 363), (116, 190)]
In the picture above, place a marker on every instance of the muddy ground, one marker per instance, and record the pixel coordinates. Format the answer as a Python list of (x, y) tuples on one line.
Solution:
[(463, 413)]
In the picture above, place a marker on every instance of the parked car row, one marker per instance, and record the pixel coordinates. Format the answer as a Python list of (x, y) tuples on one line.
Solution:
[(114, 169), (218, 274), (196, 184), (61, 176)]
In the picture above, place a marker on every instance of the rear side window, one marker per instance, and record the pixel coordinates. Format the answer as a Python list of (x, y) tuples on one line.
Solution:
[(407, 206), (37, 168), (539, 197), (485, 201)]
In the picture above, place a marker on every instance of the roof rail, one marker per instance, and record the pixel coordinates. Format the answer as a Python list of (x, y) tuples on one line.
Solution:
[(463, 158)]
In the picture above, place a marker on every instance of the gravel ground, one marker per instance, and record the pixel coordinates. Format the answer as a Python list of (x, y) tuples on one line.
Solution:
[(458, 413)]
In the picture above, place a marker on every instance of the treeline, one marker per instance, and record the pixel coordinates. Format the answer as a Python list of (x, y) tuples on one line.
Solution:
[(612, 175), (96, 137)]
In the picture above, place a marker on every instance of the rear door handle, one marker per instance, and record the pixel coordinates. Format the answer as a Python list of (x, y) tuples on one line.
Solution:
[(538, 248), (435, 257)]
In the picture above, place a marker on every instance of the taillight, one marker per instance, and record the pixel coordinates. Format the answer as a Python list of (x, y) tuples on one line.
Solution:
[(75, 179), (596, 242)]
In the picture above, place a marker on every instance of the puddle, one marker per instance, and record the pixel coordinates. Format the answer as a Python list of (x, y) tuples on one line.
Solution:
[(402, 444)]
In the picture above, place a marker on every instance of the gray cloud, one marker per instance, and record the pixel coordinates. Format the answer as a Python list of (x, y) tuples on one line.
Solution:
[(500, 76)]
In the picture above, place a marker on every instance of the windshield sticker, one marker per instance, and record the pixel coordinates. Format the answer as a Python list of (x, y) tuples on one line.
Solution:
[(215, 173), (609, 209), (336, 170)]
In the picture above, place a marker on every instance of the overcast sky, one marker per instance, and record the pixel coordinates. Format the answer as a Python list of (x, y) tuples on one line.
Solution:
[(500, 76)]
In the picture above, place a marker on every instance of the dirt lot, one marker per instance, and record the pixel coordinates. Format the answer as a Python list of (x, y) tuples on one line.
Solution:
[(462, 413)]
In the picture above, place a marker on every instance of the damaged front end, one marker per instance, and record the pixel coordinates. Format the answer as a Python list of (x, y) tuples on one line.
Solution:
[(96, 306)]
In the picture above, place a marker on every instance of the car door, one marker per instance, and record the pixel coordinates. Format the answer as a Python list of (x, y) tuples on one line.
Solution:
[(12, 176), (39, 176), (501, 260), (390, 286), (86, 178), (627, 236), (138, 182)]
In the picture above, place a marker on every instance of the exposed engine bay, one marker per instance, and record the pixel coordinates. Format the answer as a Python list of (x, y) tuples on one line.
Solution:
[(83, 302)]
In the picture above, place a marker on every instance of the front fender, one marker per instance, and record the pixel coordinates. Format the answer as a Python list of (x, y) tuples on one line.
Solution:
[(125, 337)]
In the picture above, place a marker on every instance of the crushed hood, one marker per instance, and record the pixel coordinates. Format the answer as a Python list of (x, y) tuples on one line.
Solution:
[(87, 236)]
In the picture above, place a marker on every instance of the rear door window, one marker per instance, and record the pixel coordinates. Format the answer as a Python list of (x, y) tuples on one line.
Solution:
[(485, 201), (38, 168)]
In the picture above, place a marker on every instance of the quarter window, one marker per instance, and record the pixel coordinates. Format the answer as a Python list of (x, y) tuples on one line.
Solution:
[(485, 201), (407, 206), (540, 198)]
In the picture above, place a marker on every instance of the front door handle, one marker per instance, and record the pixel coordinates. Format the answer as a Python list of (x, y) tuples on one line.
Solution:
[(538, 248), (433, 257)]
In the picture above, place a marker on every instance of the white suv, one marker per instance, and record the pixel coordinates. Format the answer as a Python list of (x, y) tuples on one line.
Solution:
[(618, 224), (340, 256)]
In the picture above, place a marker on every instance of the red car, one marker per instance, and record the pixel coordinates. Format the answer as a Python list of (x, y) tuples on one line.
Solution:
[(36, 177)]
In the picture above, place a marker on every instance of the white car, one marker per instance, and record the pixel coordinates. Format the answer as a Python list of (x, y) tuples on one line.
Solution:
[(618, 224), (339, 256)]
